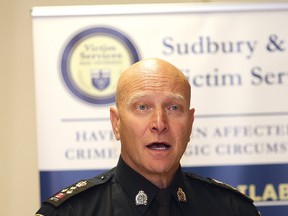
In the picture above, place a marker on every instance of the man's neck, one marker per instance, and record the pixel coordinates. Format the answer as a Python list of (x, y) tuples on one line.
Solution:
[(161, 180)]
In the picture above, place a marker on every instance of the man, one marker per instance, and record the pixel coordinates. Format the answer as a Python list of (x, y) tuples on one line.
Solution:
[(153, 122)]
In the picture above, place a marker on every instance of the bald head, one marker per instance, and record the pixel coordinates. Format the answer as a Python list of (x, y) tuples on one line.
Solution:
[(152, 74)]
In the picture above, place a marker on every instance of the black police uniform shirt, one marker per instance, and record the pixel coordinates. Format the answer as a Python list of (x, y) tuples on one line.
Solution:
[(123, 192)]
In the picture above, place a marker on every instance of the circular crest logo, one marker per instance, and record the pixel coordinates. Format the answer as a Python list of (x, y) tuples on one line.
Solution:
[(92, 62)]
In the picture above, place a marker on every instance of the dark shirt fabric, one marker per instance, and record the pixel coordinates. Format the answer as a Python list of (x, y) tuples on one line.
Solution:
[(114, 194)]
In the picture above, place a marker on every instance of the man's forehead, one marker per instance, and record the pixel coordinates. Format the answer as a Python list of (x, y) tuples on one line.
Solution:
[(150, 77)]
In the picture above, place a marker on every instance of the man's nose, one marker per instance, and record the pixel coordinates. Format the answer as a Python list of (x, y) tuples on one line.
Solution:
[(159, 121)]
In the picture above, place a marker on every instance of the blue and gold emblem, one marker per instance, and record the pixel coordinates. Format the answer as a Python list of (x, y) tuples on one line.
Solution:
[(92, 62), (101, 78)]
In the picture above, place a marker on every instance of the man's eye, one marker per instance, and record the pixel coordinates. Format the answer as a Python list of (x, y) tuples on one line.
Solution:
[(142, 107), (174, 108)]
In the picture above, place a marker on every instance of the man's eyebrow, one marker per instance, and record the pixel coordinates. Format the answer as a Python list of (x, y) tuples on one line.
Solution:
[(135, 96), (139, 95)]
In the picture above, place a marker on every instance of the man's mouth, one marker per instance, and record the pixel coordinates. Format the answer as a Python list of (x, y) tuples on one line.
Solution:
[(158, 146)]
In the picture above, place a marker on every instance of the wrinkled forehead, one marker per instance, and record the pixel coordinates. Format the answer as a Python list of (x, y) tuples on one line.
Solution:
[(148, 84)]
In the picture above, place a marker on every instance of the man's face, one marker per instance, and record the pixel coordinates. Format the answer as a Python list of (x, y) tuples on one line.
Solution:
[(153, 122)]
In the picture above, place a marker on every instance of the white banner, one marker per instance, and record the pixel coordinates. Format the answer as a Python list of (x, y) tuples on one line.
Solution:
[(235, 57)]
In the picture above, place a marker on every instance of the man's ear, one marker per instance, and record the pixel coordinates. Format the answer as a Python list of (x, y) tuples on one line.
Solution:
[(115, 122), (192, 112)]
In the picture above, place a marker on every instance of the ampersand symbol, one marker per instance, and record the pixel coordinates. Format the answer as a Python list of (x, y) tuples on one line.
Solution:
[(275, 44)]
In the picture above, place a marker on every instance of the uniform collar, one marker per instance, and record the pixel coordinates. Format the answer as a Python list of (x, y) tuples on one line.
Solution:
[(132, 183)]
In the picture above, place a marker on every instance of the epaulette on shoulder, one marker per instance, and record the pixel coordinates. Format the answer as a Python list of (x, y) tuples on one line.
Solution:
[(220, 184), (82, 185)]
